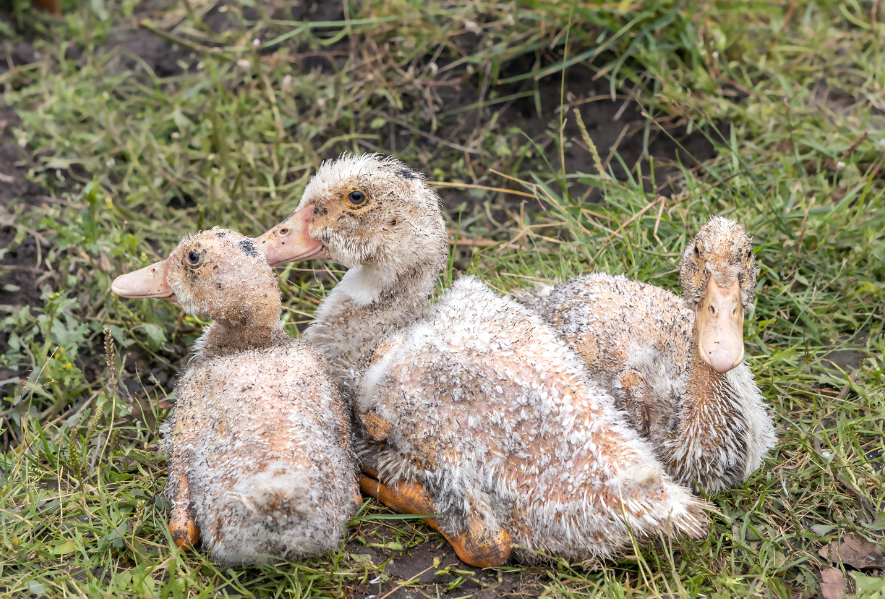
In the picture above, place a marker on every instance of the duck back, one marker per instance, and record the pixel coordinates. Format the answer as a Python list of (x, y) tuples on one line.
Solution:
[(494, 415), (263, 438)]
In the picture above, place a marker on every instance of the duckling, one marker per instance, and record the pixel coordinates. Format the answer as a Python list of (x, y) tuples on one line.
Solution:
[(259, 443), (472, 408), (676, 365)]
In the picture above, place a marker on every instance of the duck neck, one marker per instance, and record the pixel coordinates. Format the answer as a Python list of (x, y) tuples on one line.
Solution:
[(371, 302), (710, 440), (705, 388), (224, 336)]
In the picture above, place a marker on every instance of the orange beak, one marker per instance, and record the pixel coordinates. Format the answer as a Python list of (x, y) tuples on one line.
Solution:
[(149, 281), (290, 240), (720, 318)]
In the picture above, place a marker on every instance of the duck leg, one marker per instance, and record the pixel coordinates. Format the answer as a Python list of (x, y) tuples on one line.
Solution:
[(482, 546), (182, 527)]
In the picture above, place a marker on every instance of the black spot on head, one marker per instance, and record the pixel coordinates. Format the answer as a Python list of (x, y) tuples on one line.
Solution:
[(248, 247), (221, 234), (406, 174)]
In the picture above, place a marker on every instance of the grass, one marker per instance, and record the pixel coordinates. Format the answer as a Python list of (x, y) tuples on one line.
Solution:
[(134, 151)]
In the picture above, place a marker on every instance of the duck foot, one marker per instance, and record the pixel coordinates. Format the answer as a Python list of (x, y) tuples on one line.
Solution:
[(184, 531), (182, 527), (481, 546)]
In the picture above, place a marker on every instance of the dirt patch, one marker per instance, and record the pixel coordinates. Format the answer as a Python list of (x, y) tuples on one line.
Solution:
[(18, 54), (20, 269), (19, 285), (139, 48), (847, 360), (616, 126), (19, 265), (433, 570), (13, 183)]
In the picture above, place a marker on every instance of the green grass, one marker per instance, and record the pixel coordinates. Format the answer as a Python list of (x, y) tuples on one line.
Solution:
[(792, 95)]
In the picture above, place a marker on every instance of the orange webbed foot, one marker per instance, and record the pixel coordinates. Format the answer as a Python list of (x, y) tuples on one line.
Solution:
[(481, 546), (182, 526), (184, 531)]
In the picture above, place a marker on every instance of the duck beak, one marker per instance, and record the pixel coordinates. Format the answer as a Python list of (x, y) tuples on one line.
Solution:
[(290, 240), (149, 281), (720, 317)]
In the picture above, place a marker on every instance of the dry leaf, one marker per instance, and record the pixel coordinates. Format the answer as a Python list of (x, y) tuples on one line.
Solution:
[(103, 263), (855, 552), (833, 585)]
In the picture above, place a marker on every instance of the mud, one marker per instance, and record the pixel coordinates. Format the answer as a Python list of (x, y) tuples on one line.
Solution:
[(431, 569), (20, 268), (21, 271)]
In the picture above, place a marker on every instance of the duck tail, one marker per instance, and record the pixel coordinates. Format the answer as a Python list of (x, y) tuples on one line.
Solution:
[(688, 513), (280, 492), (671, 509), (277, 512)]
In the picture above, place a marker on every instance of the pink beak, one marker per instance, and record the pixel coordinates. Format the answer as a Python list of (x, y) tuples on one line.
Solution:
[(720, 318), (149, 281), (290, 240)]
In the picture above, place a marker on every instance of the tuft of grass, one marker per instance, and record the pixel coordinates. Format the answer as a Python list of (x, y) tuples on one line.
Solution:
[(146, 121)]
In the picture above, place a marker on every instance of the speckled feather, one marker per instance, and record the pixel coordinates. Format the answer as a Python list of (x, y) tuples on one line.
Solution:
[(394, 247), (479, 400), (639, 341), (259, 431), (494, 415)]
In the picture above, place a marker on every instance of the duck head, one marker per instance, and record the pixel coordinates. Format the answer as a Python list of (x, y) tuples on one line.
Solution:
[(361, 210), (718, 277), (217, 273)]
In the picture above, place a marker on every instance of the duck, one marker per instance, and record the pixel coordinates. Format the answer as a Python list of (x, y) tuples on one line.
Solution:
[(260, 460), (676, 365), (470, 412)]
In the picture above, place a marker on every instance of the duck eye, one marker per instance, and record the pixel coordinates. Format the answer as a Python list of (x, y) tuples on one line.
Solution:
[(697, 252), (356, 198), (194, 258), (749, 254)]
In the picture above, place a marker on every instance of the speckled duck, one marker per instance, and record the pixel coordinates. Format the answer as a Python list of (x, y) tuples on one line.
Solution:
[(676, 365), (471, 408), (259, 445)]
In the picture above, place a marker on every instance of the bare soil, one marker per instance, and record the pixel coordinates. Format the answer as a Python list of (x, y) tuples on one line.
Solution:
[(432, 569), (20, 263)]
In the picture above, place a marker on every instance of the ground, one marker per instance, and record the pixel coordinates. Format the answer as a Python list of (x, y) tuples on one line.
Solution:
[(125, 124)]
